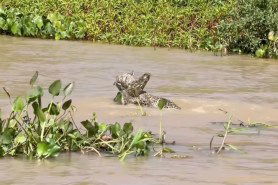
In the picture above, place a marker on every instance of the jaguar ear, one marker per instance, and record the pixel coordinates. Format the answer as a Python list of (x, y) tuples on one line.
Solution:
[(132, 73)]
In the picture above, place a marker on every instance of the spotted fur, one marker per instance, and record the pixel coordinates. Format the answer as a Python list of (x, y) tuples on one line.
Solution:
[(149, 100), (132, 91), (132, 86)]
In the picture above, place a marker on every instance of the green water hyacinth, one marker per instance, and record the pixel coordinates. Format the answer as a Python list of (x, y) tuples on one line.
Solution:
[(220, 26), (53, 25), (34, 130)]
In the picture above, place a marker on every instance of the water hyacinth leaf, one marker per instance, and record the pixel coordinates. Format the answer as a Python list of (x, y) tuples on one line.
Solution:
[(2, 11), (57, 36), (271, 36), (66, 126), (18, 104), (68, 89), (91, 130), (115, 130), (53, 151), (15, 29), (35, 94), (67, 104), (2, 23), (53, 109), (260, 53), (118, 98), (20, 138), (161, 103), (38, 112), (42, 149), (38, 21), (102, 127), (55, 88), (7, 136), (128, 128), (34, 78), (136, 138), (12, 123)]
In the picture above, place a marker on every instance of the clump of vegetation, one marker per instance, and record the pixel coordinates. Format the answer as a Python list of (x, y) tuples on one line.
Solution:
[(161, 152), (53, 25), (232, 128), (248, 27), (216, 25), (185, 24), (35, 129)]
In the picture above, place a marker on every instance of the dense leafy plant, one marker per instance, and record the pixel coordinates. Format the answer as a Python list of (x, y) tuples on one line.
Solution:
[(248, 26), (217, 25), (185, 24), (53, 25), (36, 130)]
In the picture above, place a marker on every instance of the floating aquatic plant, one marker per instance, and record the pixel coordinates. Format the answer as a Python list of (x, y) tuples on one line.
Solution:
[(35, 130), (232, 128)]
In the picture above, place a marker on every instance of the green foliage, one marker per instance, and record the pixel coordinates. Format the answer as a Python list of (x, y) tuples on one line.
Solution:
[(37, 131), (161, 103), (55, 88), (248, 26), (175, 23), (216, 25), (14, 21)]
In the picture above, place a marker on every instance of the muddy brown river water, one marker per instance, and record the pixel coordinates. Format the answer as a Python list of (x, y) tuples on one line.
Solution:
[(200, 83)]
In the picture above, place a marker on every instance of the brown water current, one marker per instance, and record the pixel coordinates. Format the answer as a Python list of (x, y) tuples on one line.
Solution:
[(200, 83)]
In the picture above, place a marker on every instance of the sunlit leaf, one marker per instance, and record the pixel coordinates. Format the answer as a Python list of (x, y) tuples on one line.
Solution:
[(115, 130), (20, 138), (260, 53), (38, 112), (53, 151), (271, 36), (18, 104), (15, 29), (42, 149), (38, 21), (161, 103), (68, 89)]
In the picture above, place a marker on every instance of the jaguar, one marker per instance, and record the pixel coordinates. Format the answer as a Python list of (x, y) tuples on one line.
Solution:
[(131, 90)]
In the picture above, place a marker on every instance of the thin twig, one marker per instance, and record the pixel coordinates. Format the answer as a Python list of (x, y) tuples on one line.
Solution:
[(30, 135), (93, 149), (242, 123), (74, 122), (225, 135), (210, 143), (141, 109)]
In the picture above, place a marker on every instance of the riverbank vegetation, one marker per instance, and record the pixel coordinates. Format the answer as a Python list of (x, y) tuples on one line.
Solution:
[(217, 25)]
